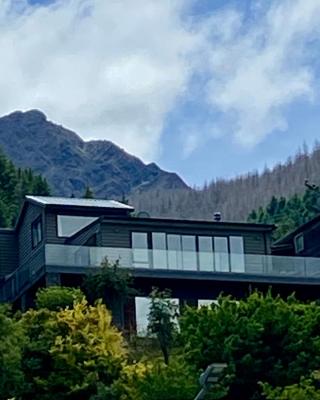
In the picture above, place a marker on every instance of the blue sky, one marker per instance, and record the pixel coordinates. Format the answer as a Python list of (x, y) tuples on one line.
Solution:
[(210, 88)]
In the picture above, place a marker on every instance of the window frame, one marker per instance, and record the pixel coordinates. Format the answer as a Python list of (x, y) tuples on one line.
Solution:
[(75, 216), (296, 239), (198, 267), (137, 263), (34, 229)]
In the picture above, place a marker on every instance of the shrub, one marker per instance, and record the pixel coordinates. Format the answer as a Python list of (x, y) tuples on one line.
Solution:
[(158, 381), (55, 298), (262, 338), (11, 342), (70, 353), (305, 390)]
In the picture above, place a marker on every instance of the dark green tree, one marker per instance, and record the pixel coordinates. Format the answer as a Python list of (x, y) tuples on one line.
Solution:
[(14, 185), (88, 194), (162, 320)]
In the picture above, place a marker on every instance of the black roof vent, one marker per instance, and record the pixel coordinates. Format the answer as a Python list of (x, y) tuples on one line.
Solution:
[(217, 216)]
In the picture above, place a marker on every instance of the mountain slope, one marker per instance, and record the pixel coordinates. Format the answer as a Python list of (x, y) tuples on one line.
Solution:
[(237, 197), (70, 164)]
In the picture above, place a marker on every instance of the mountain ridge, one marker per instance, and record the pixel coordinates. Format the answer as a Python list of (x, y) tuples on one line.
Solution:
[(70, 164)]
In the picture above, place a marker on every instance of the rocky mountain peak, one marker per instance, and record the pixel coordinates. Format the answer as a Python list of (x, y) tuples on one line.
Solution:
[(70, 164)]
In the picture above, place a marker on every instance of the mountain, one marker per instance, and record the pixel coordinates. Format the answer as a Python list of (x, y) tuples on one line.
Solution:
[(70, 164)]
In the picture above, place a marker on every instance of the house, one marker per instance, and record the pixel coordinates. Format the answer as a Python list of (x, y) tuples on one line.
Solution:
[(56, 241), (302, 242)]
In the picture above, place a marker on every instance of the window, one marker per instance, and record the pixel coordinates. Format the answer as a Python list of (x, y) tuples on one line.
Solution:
[(205, 253), (221, 254), (174, 252), (140, 249), (36, 229), (68, 225), (159, 247), (236, 254), (189, 252), (299, 243)]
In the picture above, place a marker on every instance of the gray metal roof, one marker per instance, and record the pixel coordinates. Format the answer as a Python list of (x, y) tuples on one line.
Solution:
[(74, 202)]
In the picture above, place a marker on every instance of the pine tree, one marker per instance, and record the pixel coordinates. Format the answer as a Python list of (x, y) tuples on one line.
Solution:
[(88, 194), (15, 183)]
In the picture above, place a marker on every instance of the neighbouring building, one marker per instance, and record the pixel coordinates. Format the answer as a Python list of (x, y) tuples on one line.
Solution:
[(302, 242)]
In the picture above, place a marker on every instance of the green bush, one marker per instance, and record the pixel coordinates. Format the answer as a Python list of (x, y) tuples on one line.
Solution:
[(158, 381), (70, 353), (55, 298), (11, 342), (305, 390), (262, 339)]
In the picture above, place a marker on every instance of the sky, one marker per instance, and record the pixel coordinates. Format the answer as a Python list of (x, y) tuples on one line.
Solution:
[(205, 88)]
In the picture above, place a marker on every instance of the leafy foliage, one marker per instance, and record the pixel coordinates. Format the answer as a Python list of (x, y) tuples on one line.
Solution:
[(70, 352), (14, 185), (162, 320), (11, 341), (304, 390), (177, 381), (288, 214), (55, 298), (262, 338), (113, 285)]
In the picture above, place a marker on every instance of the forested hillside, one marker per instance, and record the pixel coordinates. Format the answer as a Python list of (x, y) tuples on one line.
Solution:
[(15, 183), (235, 198), (288, 214)]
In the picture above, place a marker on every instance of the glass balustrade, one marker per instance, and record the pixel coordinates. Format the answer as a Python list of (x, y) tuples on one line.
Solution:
[(182, 260), (160, 260)]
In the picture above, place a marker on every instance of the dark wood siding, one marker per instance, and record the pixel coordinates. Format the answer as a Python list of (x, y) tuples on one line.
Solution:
[(112, 235), (27, 254), (8, 252), (51, 229), (311, 242), (254, 243)]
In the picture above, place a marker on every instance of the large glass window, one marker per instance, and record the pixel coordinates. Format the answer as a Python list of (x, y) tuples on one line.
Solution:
[(68, 225), (237, 254), (36, 229), (205, 253), (140, 249), (221, 255), (159, 252), (189, 252), (142, 312), (174, 252)]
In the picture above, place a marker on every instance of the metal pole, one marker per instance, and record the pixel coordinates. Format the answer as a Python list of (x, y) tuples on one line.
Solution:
[(201, 394)]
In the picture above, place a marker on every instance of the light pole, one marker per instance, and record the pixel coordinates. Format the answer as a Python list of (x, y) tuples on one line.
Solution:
[(209, 377)]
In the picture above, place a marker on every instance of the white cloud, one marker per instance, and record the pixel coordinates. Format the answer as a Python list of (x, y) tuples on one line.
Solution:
[(107, 69), (259, 67), (114, 69)]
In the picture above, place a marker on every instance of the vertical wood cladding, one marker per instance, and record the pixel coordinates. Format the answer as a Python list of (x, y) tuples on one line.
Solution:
[(255, 243), (34, 256), (113, 235), (8, 252), (51, 229)]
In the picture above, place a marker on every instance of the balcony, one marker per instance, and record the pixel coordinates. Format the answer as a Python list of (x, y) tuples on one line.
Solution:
[(166, 263), (184, 261)]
